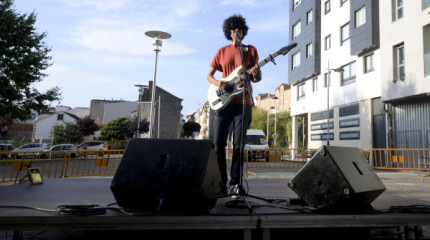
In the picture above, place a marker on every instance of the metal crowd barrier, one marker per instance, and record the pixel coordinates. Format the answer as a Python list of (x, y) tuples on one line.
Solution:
[(60, 164)]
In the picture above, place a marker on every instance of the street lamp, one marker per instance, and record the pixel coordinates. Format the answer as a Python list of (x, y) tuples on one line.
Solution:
[(328, 82), (141, 87), (268, 108), (158, 36)]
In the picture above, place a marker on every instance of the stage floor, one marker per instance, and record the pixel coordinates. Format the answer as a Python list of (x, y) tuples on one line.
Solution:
[(268, 220)]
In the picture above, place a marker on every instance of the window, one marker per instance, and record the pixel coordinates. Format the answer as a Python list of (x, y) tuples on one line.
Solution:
[(327, 42), (309, 50), (348, 75), (322, 136), (327, 79), (360, 17), (349, 123), (297, 29), (301, 91), (368, 63), (322, 126), (349, 135), (60, 117), (309, 17), (327, 7), (344, 33), (296, 60), (296, 3), (349, 110), (399, 63), (426, 4), (397, 9), (314, 84)]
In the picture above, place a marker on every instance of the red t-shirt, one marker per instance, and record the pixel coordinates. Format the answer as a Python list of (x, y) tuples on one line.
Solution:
[(227, 59)]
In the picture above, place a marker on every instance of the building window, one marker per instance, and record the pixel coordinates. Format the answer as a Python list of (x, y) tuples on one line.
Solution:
[(397, 9), (315, 84), (360, 17), (348, 75), (296, 60), (349, 135), (327, 79), (309, 17), (327, 7), (349, 110), (426, 41), (309, 50), (301, 91), (296, 3), (368, 63), (297, 29), (322, 126), (349, 123), (322, 136), (399, 63), (426, 4), (60, 117), (344, 33), (327, 42)]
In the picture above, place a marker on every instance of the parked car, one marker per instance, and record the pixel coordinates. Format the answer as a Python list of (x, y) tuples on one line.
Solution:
[(96, 145), (93, 146), (32, 148), (60, 151), (255, 139), (4, 148)]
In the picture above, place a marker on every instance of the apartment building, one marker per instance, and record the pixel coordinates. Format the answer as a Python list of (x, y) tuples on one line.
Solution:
[(360, 72)]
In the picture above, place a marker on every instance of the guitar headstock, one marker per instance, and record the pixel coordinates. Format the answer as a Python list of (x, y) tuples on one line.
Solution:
[(286, 49)]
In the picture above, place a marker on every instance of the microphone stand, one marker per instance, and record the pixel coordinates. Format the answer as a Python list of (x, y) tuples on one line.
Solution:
[(243, 130)]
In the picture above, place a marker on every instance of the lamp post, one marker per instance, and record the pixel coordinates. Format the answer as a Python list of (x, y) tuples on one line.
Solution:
[(141, 87), (158, 36), (340, 69), (268, 109)]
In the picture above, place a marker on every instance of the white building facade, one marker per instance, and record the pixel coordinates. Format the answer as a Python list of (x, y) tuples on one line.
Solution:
[(355, 47)]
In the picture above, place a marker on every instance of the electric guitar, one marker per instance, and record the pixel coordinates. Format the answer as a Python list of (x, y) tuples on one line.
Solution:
[(218, 99)]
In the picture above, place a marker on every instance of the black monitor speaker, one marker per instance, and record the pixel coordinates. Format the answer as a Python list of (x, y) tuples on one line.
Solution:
[(167, 174), (337, 177)]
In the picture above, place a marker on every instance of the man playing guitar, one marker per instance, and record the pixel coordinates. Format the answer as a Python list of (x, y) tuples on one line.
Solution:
[(226, 60)]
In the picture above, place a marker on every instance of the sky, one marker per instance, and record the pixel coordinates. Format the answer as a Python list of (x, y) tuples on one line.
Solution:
[(100, 50)]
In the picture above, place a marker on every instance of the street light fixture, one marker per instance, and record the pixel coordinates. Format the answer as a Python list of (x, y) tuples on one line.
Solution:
[(340, 69), (141, 87), (268, 108), (158, 36)]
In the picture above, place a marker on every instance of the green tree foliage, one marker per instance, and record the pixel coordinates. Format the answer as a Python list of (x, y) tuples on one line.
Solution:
[(189, 128), (86, 126), (116, 130), (66, 133), (23, 59), (143, 125), (283, 126)]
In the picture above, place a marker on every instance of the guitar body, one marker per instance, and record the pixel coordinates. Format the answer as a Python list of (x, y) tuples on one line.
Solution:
[(217, 98)]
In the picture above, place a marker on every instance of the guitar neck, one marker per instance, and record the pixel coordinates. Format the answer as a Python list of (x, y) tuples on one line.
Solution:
[(266, 60)]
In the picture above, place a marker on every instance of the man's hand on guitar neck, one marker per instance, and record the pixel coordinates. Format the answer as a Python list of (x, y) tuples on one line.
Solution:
[(256, 73)]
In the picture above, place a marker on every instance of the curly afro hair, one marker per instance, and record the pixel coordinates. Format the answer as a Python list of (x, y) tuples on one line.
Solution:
[(233, 22)]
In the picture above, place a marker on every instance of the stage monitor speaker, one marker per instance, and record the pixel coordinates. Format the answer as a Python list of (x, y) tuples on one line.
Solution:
[(167, 174), (337, 177)]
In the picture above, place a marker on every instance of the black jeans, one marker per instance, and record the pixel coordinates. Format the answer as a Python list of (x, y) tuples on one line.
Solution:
[(231, 114)]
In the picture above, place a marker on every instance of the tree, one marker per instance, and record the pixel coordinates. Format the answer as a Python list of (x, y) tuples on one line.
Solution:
[(190, 127), (66, 133), (23, 58), (86, 126), (143, 125), (116, 129)]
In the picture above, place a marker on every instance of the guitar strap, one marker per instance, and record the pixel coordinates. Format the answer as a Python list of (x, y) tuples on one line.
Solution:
[(245, 59)]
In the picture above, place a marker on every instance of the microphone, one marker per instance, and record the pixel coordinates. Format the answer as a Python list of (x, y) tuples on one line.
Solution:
[(237, 36)]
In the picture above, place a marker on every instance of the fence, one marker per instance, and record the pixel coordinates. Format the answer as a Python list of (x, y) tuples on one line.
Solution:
[(61, 164)]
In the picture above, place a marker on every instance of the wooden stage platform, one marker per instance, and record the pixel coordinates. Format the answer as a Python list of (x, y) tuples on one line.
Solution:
[(24, 210)]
